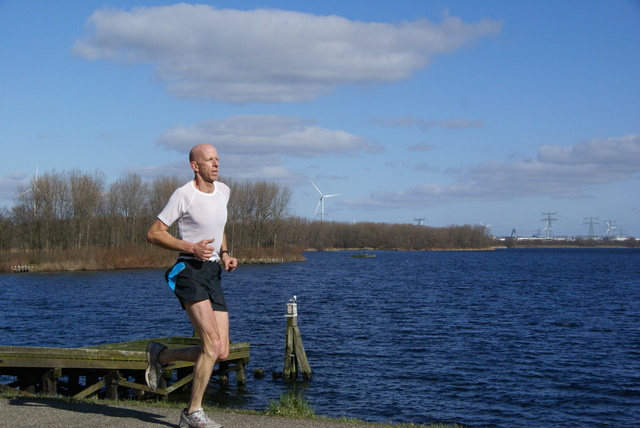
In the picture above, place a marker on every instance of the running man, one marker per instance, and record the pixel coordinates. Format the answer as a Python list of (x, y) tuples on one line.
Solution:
[(200, 208)]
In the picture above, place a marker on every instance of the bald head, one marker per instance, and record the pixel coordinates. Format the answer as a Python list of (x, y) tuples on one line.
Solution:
[(198, 152), (204, 162)]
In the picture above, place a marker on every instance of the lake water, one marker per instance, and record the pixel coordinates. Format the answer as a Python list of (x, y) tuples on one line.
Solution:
[(520, 337)]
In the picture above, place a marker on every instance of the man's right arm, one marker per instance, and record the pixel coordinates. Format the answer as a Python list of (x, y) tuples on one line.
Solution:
[(159, 235)]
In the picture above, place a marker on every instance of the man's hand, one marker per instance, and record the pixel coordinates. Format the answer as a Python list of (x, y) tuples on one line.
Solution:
[(203, 250), (229, 263)]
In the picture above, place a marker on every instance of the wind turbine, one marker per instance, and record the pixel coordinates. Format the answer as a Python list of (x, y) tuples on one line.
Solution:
[(35, 185), (31, 188), (486, 228), (610, 227), (321, 201)]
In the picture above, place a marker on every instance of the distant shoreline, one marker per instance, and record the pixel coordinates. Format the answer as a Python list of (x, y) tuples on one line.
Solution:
[(119, 260)]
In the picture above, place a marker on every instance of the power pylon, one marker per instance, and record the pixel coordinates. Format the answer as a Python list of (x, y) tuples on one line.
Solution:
[(549, 220), (590, 221)]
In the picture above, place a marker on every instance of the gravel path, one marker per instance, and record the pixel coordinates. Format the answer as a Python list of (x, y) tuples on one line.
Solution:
[(39, 412)]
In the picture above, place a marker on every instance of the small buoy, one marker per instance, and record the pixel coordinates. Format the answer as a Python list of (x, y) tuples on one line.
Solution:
[(277, 375), (258, 373)]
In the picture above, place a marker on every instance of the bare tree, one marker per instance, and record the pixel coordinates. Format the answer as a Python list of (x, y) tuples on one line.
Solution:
[(23, 213), (7, 229), (240, 212), (86, 196), (129, 197), (263, 194), (279, 209), (49, 196), (160, 190)]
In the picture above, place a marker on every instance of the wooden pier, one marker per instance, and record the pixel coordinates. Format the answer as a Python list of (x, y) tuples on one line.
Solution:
[(103, 370)]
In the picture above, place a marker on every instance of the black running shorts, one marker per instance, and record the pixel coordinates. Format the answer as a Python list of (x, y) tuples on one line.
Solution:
[(196, 280)]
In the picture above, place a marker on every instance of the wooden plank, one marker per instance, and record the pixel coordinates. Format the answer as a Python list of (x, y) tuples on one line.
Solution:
[(91, 389), (120, 381), (180, 383), (24, 356), (69, 353), (123, 382), (27, 352), (5, 388), (236, 350), (72, 364), (94, 358)]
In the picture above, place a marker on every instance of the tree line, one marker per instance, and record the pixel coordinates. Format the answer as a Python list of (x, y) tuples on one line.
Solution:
[(75, 210)]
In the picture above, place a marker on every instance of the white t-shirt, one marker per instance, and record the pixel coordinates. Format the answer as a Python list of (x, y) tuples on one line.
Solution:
[(199, 215)]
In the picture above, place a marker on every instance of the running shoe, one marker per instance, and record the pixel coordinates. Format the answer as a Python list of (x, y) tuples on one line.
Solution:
[(155, 369), (197, 419)]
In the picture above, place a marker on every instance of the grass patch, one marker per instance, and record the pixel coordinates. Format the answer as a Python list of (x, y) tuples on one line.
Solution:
[(291, 405)]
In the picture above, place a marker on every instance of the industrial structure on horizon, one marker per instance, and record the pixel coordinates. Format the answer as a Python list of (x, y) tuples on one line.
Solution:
[(613, 232)]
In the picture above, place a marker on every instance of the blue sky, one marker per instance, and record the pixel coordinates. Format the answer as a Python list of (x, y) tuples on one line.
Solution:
[(458, 112)]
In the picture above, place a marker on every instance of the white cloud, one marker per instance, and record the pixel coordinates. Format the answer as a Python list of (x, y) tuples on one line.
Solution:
[(254, 146), (269, 55), (562, 172), (623, 153), (257, 167), (237, 167), (266, 135)]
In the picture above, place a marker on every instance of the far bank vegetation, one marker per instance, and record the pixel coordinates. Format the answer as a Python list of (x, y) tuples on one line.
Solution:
[(73, 220)]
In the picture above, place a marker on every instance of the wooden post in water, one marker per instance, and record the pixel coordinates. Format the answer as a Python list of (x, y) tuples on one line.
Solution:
[(294, 349)]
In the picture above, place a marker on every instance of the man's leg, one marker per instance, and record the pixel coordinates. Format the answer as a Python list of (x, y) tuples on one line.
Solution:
[(213, 329), (192, 353)]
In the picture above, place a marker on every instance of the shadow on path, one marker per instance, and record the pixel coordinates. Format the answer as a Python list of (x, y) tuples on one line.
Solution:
[(91, 408)]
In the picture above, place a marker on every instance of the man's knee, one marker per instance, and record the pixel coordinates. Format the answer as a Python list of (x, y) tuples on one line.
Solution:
[(216, 350), (224, 352)]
